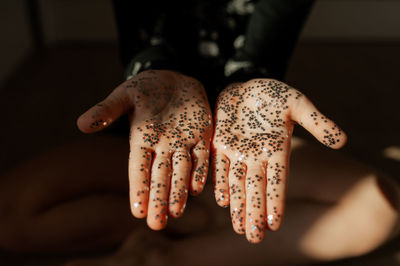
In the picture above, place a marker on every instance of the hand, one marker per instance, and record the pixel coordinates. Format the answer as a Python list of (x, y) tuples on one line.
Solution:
[(254, 123), (170, 135)]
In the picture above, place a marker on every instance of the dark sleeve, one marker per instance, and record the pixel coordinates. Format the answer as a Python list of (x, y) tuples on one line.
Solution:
[(270, 38), (150, 35)]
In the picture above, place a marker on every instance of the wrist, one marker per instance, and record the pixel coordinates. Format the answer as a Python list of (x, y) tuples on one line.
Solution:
[(242, 71), (158, 57)]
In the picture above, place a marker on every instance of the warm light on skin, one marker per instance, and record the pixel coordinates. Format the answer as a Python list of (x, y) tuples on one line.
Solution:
[(253, 127), (171, 130), (392, 152), (352, 220)]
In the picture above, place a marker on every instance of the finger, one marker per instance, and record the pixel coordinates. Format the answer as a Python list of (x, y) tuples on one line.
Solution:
[(181, 168), (106, 112), (139, 174), (277, 176), (255, 202), (220, 176), (157, 214), (237, 174), (200, 155), (322, 128)]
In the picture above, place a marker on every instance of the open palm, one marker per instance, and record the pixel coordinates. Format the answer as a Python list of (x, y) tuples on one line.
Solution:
[(253, 127), (170, 135)]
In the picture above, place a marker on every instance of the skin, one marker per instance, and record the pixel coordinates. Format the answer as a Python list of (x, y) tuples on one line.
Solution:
[(170, 136), (253, 127), (47, 207)]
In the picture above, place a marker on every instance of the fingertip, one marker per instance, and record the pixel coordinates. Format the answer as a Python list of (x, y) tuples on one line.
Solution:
[(177, 206), (275, 212), (92, 121), (81, 123), (139, 202), (138, 210), (176, 211), (182, 164), (196, 188), (274, 221), (157, 222), (238, 219), (275, 227), (239, 230), (333, 137), (255, 238), (238, 226), (319, 125), (220, 176), (341, 141), (198, 180), (138, 174), (200, 157), (222, 197), (277, 176), (255, 228)]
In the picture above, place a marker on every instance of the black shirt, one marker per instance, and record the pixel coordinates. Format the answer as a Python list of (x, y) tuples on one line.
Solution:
[(215, 41)]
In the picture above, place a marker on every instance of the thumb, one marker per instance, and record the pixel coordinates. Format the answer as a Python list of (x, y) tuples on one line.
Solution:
[(321, 127), (105, 112)]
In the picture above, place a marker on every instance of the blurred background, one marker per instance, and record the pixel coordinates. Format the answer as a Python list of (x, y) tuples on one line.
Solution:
[(59, 57)]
